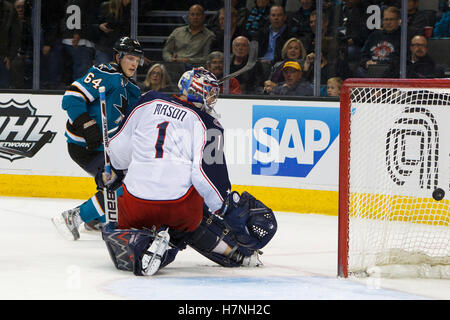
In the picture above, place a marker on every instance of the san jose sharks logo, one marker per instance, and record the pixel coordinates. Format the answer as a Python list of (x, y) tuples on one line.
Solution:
[(21, 130), (122, 108)]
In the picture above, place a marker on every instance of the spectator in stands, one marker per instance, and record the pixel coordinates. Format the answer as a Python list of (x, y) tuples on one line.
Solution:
[(52, 58), (294, 84), (157, 79), (293, 50), (299, 21), (334, 68), (114, 18), (21, 66), (419, 64), (268, 86), (334, 87), (219, 31), (79, 30), (189, 44), (272, 37), (333, 10), (382, 46), (213, 22), (419, 19), (310, 39), (9, 40), (442, 27), (21, 71), (355, 29), (257, 17), (19, 5), (214, 63), (250, 80)]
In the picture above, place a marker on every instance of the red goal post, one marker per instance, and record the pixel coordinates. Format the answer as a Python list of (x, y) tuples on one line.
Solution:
[(394, 153)]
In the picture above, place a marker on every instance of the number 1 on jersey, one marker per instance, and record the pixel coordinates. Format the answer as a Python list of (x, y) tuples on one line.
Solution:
[(161, 137)]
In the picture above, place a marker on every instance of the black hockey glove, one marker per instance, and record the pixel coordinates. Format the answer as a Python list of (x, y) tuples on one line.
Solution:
[(111, 182), (89, 130)]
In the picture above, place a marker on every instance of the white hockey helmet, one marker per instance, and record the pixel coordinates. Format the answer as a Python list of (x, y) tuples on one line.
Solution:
[(201, 87)]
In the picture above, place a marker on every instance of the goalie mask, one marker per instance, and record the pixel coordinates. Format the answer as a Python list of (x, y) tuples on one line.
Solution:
[(200, 87)]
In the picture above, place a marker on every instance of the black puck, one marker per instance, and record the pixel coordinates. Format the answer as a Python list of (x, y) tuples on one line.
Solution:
[(438, 194)]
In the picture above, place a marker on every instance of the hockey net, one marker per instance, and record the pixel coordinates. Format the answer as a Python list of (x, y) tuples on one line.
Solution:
[(394, 156)]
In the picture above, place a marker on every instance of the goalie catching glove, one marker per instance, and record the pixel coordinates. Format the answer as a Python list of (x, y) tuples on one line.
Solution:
[(252, 222), (110, 181), (244, 223)]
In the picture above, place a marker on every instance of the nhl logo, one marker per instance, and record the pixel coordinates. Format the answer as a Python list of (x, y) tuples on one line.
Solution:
[(22, 132)]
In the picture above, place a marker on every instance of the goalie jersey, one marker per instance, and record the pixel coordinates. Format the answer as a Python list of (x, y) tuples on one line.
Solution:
[(83, 96), (169, 145)]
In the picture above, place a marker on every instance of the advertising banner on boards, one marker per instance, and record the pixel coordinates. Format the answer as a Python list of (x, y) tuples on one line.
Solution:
[(24, 119), (290, 141), (287, 144)]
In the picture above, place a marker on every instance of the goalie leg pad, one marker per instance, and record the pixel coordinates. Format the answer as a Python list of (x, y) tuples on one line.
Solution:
[(126, 247), (117, 241), (211, 231), (169, 257)]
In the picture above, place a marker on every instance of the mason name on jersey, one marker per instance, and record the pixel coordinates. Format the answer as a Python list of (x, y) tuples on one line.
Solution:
[(170, 111)]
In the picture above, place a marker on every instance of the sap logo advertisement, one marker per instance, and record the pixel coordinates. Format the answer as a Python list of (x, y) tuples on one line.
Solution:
[(290, 141)]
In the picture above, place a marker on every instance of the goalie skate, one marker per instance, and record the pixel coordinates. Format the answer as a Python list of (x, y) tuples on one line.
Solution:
[(68, 223), (154, 254), (252, 261), (247, 261)]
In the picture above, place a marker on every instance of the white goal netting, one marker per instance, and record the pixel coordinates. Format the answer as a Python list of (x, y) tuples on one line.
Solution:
[(399, 143)]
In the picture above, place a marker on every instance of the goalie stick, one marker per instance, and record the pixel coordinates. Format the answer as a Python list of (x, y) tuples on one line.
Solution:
[(110, 196), (252, 56), (46, 137)]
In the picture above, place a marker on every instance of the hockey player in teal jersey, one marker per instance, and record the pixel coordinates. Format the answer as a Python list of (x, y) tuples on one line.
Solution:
[(83, 129)]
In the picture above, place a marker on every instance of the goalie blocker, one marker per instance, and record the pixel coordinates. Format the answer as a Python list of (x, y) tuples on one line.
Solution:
[(245, 224)]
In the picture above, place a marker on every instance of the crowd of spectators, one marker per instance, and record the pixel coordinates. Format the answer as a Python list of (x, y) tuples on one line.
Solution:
[(354, 41)]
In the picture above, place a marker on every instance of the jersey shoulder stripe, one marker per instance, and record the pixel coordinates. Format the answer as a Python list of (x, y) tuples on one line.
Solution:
[(108, 68), (75, 91), (76, 85), (98, 76)]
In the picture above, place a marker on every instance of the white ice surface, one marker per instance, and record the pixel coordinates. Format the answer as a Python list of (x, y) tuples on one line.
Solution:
[(299, 263)]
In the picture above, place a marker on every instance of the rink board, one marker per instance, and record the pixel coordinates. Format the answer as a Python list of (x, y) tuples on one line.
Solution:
[(283, 152)]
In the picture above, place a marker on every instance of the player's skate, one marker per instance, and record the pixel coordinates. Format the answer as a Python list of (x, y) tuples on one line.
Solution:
[(93, 225), (68, 223), (154, 254)]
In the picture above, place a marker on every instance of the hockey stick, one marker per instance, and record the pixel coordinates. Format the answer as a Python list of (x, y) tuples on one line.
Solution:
[(110, 196), (46, 137), (252, 56)]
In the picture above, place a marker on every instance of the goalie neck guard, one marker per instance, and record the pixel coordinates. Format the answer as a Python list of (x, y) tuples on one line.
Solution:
[(200, 87)]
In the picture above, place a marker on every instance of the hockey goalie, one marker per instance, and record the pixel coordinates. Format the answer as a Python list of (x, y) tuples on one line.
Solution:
[(167, 158)]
